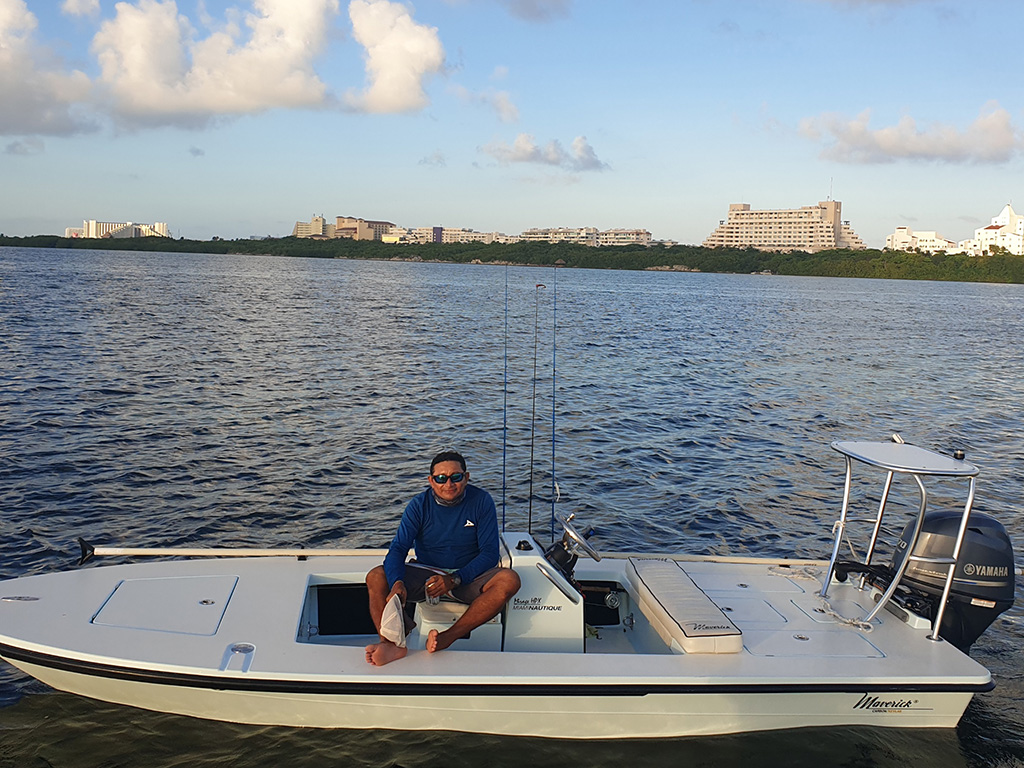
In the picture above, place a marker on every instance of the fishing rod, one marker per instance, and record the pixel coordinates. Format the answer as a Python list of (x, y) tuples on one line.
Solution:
[(533, 415), (504, 411), (554, 337)]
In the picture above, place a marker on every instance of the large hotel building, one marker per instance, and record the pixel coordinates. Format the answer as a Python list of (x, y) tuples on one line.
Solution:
[(811, 228), (117, 229)]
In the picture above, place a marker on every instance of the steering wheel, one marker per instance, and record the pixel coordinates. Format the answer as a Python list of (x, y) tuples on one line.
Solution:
[(577, 539)]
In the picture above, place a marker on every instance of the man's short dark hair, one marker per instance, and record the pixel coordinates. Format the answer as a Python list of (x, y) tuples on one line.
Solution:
[(444, 456)]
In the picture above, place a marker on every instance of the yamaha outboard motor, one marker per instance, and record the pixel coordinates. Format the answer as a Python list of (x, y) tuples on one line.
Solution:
[(983, 582)]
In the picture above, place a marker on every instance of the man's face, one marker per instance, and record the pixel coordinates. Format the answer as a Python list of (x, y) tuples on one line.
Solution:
[(449, 491)]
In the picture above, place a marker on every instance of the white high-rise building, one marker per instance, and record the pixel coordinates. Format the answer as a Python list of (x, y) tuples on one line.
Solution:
[(811, 228)]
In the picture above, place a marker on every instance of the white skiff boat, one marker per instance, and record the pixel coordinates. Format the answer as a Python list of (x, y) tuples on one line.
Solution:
[(619, 646)]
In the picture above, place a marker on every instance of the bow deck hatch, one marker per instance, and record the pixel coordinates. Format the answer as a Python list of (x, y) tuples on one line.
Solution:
[(190, 605)]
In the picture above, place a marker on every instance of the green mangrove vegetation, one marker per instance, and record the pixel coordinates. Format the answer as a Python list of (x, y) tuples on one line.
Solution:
[(998, 267)]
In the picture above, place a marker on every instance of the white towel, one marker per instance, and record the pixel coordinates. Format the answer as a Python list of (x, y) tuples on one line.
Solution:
[(392, 622)]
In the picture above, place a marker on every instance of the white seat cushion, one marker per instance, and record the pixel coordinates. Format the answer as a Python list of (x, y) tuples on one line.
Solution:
[(686, 618)]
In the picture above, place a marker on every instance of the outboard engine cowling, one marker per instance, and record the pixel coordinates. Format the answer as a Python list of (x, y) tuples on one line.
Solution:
[(983, 582)]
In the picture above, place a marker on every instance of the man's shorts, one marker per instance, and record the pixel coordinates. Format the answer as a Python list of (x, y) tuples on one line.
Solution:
[(416, 576)]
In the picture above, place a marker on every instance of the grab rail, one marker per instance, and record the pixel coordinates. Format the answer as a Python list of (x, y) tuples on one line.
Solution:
[(899, 457)]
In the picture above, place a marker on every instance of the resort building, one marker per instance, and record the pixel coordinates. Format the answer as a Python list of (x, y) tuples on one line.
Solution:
[(117, 229), (588, 236), (1006, 231), (578, 235), (421, 235), (317, 227), (343, 227), (812, 228), (906, 239), (624, 237), (452, 235), (361, 229)]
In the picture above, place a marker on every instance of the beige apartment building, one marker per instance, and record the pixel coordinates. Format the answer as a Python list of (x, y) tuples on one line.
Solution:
[(316, 227), (343, 226), (361, 229), (811, 228)]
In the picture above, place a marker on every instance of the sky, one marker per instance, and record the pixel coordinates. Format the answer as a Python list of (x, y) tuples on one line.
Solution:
[(238, 118)]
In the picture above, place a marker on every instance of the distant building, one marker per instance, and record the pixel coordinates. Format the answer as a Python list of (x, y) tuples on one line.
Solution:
[(117, 229), (624, 237), (812, 228), (317, 227), (426, 234), (906, 239), (362, 229), (1005, 231), (578, 235), (348, 227)]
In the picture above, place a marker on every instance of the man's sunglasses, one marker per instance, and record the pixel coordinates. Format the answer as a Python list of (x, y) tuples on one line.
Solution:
[(455, 477)]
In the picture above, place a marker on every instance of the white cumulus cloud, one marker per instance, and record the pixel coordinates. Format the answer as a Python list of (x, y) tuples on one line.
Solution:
[(990, 139), (524, 149), (81, 7), (37, 95), (156, 71), (400, 56)]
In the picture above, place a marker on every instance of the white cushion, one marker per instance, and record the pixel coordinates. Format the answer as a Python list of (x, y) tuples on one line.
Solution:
[(686, 618)]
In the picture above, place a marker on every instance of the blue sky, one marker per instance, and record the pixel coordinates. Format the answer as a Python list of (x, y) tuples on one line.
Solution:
[(239, 117)]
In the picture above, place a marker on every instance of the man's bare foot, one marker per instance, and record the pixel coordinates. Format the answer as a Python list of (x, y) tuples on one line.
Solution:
[(383, 653), (438, 641)]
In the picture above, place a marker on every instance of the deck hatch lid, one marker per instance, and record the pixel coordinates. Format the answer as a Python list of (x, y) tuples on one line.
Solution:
[(187, 605)]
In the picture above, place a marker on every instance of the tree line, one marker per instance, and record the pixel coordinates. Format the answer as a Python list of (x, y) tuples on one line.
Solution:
[(997, 267)]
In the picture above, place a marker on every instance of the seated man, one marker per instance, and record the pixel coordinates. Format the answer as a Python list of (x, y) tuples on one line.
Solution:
[(454, 529)]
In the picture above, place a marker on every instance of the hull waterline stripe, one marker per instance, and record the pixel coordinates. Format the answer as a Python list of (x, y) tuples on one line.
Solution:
[(376, 688)]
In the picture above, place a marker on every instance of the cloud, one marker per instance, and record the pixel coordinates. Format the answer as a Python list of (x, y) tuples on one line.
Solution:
[(37, 97), (155, 72), (400, 56), (29, 146), (435, 158), (580, 156), (81, 7), (499, 101), (196, 151), (538, 10), (990, 139)]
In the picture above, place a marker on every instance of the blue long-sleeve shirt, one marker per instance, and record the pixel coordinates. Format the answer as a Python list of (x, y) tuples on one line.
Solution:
[(462, 537)]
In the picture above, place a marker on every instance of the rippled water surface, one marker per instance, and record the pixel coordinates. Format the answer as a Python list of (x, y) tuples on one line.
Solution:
[(168, 399)]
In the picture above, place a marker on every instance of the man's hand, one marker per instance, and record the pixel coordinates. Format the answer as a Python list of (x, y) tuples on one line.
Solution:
[(439, 584), (398, 589)]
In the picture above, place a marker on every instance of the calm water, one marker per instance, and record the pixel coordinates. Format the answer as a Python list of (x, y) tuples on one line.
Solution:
[(163, 400)]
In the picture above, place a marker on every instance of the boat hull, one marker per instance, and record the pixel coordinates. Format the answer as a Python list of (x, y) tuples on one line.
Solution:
[(651, 715)]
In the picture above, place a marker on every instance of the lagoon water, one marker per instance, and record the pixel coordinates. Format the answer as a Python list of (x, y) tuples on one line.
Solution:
[(152, 399)]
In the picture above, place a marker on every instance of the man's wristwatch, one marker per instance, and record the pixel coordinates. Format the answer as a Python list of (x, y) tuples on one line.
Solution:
[(456, 581)]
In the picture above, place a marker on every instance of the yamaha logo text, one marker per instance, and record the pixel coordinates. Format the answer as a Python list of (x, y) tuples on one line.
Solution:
[(999, 571)]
